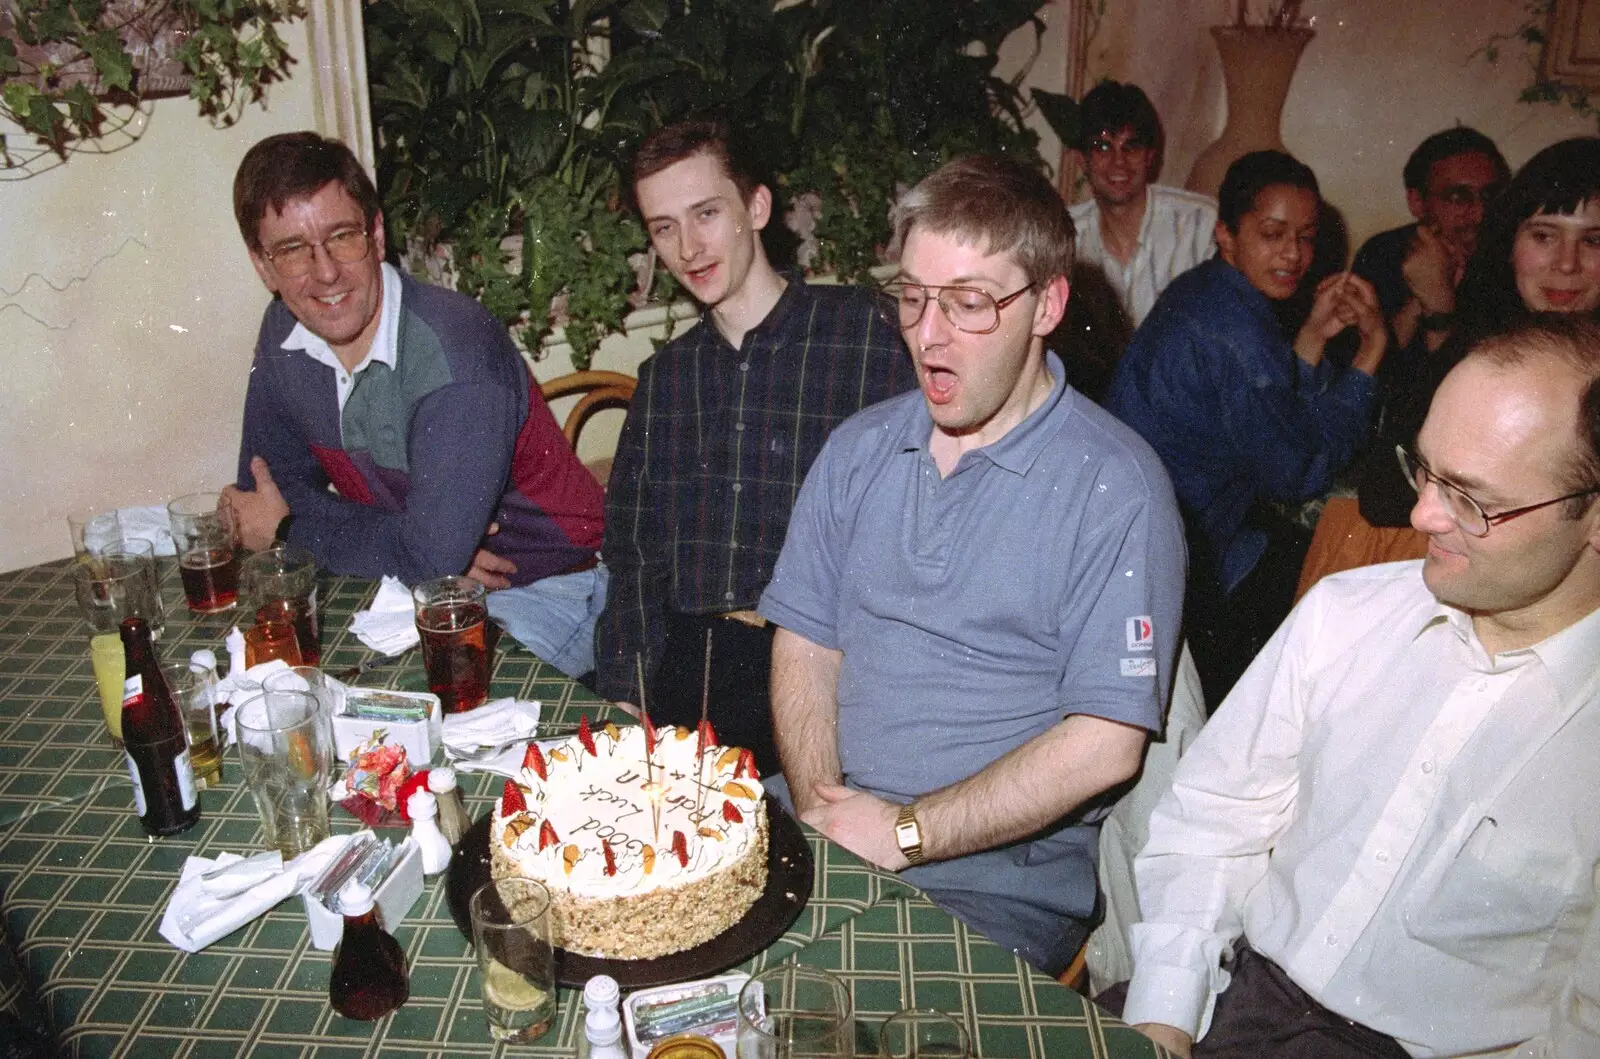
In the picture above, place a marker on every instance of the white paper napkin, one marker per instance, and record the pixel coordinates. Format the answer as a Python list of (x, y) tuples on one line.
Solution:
[(216, 897), (196, 916), (239, 685), (507, 724), (390, 624), (148, 524)]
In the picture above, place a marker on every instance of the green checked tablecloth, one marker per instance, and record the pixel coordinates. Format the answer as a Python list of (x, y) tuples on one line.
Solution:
[(82, 889)]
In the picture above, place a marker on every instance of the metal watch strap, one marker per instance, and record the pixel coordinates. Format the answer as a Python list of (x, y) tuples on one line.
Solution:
[(908, 835)]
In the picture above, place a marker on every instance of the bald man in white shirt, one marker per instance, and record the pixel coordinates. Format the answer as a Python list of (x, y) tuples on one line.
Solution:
[(1386, 842)]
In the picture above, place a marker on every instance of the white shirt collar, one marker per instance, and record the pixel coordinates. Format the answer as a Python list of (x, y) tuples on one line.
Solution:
[(1567, 655), (385, 341)]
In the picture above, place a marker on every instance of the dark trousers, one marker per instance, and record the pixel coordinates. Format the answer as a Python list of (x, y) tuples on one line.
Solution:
[(1227, 631), (1263, 1013), (740, 706)]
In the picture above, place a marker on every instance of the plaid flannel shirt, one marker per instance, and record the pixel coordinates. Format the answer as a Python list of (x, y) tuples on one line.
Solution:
[(716, 445)]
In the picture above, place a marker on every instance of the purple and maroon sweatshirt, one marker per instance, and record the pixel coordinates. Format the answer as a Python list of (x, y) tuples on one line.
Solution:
[(429, 453)]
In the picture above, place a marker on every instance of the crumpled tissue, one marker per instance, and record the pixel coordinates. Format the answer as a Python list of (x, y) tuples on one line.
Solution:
[(390, 624)]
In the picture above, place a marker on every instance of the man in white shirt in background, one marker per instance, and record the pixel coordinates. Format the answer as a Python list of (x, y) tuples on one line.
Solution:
[(1141, 235), (1386, 842)]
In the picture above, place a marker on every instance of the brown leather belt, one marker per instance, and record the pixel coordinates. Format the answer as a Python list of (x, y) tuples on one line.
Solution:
[(588, 563), (745, 617)]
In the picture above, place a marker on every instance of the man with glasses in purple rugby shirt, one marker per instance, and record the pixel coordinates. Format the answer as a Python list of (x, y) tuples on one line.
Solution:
[(1386, 842), (979, 595), (413, 404)]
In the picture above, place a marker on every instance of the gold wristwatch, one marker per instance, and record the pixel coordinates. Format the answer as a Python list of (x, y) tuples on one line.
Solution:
[(908, 835)]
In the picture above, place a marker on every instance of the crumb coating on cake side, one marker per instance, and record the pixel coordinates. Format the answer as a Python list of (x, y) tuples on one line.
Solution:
[(640, 860)]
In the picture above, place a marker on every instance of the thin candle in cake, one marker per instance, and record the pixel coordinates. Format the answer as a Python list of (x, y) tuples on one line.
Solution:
[(700, 733)]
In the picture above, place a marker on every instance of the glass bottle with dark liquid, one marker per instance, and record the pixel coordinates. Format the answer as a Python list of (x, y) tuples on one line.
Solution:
[(154, 739), (369, 977)]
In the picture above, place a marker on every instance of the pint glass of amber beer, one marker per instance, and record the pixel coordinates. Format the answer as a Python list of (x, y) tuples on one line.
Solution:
[(452, 620), (207, 543)]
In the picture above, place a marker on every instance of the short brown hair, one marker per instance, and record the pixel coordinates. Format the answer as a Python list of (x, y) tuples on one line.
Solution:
[(1006, 207), (673, 143), (296, 165), (1573, 340)]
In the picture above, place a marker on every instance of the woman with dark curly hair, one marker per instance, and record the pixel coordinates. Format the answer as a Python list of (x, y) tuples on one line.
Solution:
[(1538, 251)]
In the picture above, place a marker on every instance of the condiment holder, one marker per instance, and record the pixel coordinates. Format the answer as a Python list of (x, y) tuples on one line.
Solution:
[(420, 738), (394, 897), (683, 996)]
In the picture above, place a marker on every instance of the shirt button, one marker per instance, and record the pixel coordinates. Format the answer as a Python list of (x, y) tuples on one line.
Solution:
[(1427, 766), (744, 365), (727, 595), (1332, 939), (738, 426), (1382, 856), (738, 487)]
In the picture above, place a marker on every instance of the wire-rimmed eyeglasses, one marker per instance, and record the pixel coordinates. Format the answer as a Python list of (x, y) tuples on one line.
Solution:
[(346, 246), (1467, 512), (968, 309)]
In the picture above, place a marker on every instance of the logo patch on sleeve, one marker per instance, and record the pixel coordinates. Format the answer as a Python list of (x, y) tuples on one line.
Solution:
[(1138, 667), (1141, 634)]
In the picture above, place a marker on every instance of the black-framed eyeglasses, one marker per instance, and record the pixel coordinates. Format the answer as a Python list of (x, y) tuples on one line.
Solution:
[(968, 309), (1467, 512), (346, 246)]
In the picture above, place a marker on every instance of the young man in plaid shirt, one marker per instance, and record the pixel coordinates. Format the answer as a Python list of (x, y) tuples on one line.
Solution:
[(725, 422)]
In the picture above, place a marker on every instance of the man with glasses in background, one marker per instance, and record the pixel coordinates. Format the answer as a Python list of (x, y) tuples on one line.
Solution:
[(1386, 842), (413, 404), (979, 596), (1415, 268), (1141, 235)]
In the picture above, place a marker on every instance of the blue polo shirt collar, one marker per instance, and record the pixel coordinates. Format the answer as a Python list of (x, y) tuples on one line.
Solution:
[(1020, 447)]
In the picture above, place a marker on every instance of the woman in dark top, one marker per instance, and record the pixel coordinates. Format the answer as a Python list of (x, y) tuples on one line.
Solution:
[(1538, 251)]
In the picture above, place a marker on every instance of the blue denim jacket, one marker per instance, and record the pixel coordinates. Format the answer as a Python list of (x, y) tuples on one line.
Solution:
[(1212, 384)]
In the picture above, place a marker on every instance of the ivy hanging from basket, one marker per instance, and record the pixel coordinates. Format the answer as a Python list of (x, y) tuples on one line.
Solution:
[(70, 70)]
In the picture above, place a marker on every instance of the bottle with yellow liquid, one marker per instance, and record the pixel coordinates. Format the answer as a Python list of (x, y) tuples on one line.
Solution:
[(105, 651)]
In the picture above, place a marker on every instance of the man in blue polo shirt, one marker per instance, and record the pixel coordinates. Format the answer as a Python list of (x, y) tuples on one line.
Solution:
[(979, 595)]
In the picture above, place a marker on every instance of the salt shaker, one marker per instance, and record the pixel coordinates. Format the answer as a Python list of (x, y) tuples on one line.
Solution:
[(602, 1024), (453, 818), (422, 808)]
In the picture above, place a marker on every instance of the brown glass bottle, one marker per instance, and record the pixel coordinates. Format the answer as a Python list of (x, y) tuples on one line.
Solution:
[(154, 739), (369, 977)]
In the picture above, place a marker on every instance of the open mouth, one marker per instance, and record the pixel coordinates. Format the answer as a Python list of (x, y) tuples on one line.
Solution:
[(1560, 299), (939, 384), (333, 301)]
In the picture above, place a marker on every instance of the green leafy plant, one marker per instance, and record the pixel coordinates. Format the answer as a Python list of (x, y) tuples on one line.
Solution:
[(504, 130), (508, 120), (65, 65)]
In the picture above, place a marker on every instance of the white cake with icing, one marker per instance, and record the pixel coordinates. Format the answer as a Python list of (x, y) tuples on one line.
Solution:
[(641, 859)]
